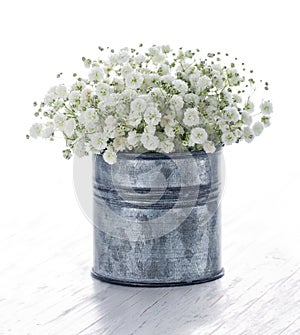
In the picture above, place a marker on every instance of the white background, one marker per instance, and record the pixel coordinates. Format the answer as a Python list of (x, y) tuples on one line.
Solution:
[(41, 38)]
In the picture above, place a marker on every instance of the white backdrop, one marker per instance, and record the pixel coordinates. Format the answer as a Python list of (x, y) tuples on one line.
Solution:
[(41, 38)]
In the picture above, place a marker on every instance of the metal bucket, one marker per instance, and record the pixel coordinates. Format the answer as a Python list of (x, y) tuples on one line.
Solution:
[(157, 218)]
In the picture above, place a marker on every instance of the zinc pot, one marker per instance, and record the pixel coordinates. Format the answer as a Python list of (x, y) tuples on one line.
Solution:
[(157, 218)]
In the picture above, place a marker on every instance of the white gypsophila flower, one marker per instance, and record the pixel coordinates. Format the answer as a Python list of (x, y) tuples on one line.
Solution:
[(154, 50), (134, 119), (227, 96), (52, 90), (122, 110), (249, 106), (228, 138), (212, 101), (216, 69), (189, 143), (209, 147), (129, 94), (103, 90), (134, 80), (146, 97), (167, 119), (109, 133), (122, 57), (158, 94), (91, 115), (47, 131), (192, 99), (126, 70), (49, 98), (150, 129), (113, 59), (133, 138), (149, 141), (98, 141), (86, 94), (96, 74), (87, 63), (164, 69), (217, 81), (266, 107), (138, 105), (58, 104), (110, 156), (233, 76), (210, 110), (185, 68), (81, 118), (248, 134), (78, 86), (59, 121), (231, 114), (112, 100), (246, 118), (110, 122), (138, 59), (257, 128), (237, 98), (79, 148), (198, 135), (152, 116), (151, 79), (67, 154), (223, 125), (238, 133), (74, 97), (191, 117), (180, 85), (202, 84), (91, 127), (266, 121), (168, 78), (169, 131), (69, 127), (194, 77), (179, 131), (119, 143), (61, 91), (36, 130), (176, 102), (118, 84), (166, 48), (166, 146), (158, 58)]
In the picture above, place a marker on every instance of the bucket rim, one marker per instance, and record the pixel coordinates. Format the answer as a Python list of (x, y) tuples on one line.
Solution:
[(161, 155)]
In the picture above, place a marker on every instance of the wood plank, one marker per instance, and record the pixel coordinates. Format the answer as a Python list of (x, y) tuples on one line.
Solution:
[(46, 287)]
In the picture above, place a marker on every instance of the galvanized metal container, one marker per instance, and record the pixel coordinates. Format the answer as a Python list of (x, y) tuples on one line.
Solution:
[(157, 218)]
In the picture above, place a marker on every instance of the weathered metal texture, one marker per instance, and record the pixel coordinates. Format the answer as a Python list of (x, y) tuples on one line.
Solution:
[(157, 218)]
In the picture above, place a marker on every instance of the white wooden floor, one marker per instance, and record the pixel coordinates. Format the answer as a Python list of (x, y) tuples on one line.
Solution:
[(46, 287)]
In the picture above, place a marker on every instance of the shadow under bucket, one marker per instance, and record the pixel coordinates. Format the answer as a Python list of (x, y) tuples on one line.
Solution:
[(157, 218)]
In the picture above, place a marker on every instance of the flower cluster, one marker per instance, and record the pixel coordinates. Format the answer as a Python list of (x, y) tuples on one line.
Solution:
[(158, 100)]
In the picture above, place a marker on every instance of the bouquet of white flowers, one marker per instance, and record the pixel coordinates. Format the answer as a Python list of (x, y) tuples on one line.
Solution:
[(158, 100)]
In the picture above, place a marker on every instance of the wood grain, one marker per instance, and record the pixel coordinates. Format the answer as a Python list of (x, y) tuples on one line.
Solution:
[(46, 287)]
